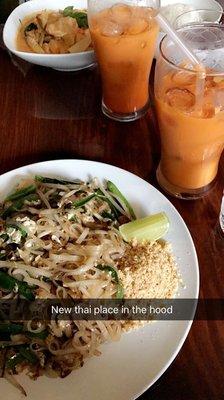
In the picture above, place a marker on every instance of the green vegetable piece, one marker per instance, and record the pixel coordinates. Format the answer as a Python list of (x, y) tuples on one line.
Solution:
[(10, 283), (18, 204), (67, 11), (55, 181), (10, 329), (108, 215), (113, 189), (4, 236), (120, 291), (2, 256), (18, 228), (28, 355), (110, 270), (31, 27), (82, 202), (37, 335), (24, 354), (149, 228), (14, 360), (8, 343), (21, 193), (114, 275), (80, 16), (30, 198), (101, 195)]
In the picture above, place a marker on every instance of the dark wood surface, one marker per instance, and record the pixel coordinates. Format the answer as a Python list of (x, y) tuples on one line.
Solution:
[(45, 115)]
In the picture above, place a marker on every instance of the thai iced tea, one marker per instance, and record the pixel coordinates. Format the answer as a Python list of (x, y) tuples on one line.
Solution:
[(192, 137), (124, 39)]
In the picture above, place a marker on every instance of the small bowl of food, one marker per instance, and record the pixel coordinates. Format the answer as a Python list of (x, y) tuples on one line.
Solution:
[(51, 33)]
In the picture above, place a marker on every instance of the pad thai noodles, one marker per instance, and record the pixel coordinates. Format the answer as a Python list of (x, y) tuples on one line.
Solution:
[(59, 239)]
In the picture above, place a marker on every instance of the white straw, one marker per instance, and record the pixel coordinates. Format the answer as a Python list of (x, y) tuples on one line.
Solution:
[(166, 27)]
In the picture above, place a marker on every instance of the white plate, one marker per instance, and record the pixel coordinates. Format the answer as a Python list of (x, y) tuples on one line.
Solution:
[(61, 62), (128, 367)]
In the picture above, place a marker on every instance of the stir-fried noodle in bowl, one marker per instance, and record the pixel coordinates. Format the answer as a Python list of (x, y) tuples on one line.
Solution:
[(63, 240)]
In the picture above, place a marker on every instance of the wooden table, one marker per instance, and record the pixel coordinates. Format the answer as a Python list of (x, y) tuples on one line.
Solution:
[(47, 115)]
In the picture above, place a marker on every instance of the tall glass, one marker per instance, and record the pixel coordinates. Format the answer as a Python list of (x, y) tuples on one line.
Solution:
[(124, 38), (190, 110), (198, 16)]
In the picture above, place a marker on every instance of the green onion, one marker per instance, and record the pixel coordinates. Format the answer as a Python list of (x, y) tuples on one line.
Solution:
[(10, 329), (8, 343), (3, 256), (28, 355), (14, 360), (19, 228), (21, 193), (4, 236), (120, 291), (24, 354), (14, 329), (150, 228), (55, 181), (106, 214), (113, 189), (18, 204), (82, 202), (37, 335), (101, 196), (72, 218), (10, 283), (114, 276)]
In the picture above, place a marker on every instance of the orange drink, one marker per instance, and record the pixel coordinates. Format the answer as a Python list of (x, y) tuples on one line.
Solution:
[(124, 38), (191, 127)]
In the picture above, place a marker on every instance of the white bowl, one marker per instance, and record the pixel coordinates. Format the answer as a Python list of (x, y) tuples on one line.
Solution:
[(197, 5), (63, 62)]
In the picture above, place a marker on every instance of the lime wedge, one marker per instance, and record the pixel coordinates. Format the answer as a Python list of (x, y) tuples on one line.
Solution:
[(149, 228)]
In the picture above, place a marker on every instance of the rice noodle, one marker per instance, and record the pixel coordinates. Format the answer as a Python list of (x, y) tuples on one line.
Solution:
[(59, 256), (83, 236)]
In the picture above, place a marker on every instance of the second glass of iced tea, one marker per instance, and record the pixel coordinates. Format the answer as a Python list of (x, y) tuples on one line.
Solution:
[(124, 38), (190, 111)]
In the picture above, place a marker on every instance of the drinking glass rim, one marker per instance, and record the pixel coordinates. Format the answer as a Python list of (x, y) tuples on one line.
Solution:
[(185, 68), (221, 12)]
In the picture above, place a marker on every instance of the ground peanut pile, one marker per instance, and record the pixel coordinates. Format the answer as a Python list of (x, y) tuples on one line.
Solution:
[(148, 270)]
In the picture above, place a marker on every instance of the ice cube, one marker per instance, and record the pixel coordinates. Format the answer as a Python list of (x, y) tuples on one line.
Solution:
[(219, 98), (137, 25), (184, 78), (180, 98), (219, 82), (111, 28), (121, 13), (208, 111), (218, 79), (144, 12)]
